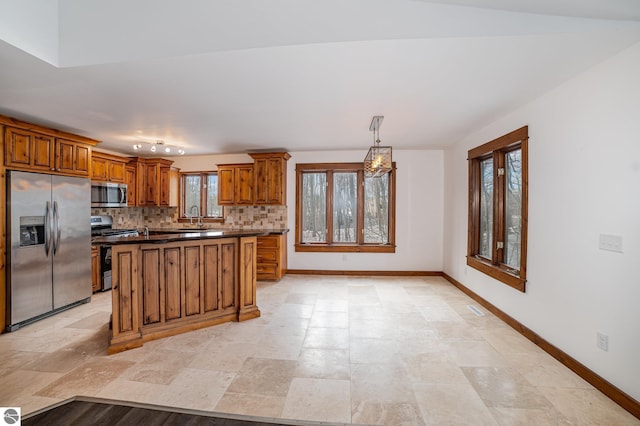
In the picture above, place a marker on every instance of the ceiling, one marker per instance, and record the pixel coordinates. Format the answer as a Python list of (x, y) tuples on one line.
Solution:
[(227, 76)]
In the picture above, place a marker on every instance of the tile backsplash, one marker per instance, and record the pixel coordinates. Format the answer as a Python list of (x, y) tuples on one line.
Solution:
[(236, 217)]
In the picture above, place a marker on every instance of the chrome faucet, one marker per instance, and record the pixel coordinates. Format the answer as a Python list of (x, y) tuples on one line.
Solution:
[(146, 232), (199, 224)]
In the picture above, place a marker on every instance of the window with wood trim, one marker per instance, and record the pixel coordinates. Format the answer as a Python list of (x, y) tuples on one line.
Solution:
[(199, 196), (497, 241), (339, 210)]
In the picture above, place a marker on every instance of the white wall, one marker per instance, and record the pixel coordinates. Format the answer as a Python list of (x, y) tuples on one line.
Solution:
[(419, 214), (584, 180)]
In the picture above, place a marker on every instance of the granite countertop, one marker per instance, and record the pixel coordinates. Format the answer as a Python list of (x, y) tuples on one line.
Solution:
[(167, 235)]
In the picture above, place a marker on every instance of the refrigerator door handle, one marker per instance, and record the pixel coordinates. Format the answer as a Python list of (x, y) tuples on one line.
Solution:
[(47, 228), (56, 227)]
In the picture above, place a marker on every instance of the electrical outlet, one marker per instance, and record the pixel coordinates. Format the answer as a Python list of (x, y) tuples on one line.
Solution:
[(610, 243), (602, 341)]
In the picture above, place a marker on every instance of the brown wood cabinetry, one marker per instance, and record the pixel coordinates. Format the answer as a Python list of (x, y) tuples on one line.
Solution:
[(108, 168), (152, 178), (263, 182), (165, 289), (95, 268), (130, 180), (235, 184), (31, 150), (272, 257), (270, 177)]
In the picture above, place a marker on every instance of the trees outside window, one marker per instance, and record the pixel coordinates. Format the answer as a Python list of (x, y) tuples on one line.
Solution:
[(497, 239), (199, 196), (337, 209)]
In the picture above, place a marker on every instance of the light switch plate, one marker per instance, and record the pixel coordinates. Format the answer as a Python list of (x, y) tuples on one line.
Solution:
[(610, 243)]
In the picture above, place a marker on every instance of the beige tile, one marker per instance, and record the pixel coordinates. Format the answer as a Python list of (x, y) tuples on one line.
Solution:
[(160, 367), (588, 407), (319, 400), (277, 346), (366, 351), (251, 404), (228, 357), (507, 341), (434, 368), (504, 387), (327, 338), (21, 384), (380, 383), (472, 353), (452, 405), (324, 364), (329, 319), (86, 379), (270, 377), (30, 403), (387, 414), (331, 305), (92, 322), (528, 417), (301, 298), (541, 370)]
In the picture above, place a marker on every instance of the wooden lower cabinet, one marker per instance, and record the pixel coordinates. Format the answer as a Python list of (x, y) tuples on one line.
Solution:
[(169, 288), (272, 257), (95, 268)]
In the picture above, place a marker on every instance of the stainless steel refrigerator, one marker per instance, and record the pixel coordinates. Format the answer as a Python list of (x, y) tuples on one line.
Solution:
[(49, 241)]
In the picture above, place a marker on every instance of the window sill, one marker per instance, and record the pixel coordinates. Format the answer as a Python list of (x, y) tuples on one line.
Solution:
[(343, 248), (498, 273)]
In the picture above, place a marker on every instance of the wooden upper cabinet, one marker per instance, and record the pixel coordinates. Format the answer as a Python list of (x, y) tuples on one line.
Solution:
[(72, 158), (235, 184), (35, 148), (270, 178), (152, 181), (108, 168), (30, 150), (132, 186)]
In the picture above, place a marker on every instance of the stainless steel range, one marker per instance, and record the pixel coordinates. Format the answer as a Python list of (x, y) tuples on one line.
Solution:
[(102, 226)]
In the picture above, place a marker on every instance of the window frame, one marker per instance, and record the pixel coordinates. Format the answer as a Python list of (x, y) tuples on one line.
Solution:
[(183, 217), (360, 245), (497, 149)]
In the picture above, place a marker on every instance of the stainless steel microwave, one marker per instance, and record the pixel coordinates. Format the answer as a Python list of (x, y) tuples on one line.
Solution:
[(107, 194)]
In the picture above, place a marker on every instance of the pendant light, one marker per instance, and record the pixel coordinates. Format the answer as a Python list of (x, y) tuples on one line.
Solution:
[(378, 161)]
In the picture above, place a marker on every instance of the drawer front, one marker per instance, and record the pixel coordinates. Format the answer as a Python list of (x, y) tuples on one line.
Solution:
[(268, 255), (270, 241), (267, 271)]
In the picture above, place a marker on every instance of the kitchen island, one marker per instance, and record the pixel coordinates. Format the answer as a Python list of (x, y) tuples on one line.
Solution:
[(166, 284)]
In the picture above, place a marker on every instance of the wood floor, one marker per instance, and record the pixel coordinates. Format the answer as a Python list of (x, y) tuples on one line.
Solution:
[(91, 412)]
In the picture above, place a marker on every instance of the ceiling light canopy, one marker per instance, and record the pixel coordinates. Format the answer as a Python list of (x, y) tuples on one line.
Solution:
[(158, 147), (378, 161)]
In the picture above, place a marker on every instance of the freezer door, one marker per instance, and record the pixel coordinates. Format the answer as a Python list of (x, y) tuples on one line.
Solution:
[(71, 248), (29, 269)]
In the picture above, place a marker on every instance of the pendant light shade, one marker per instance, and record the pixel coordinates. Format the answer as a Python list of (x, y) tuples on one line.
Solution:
[(378, 161)]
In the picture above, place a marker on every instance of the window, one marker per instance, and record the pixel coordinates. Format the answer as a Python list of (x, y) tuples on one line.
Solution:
[(497, 242), (199, 196), (339, 210)]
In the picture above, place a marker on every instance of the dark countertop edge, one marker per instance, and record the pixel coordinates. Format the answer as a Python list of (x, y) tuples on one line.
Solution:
[(269, 231), (182, 236)]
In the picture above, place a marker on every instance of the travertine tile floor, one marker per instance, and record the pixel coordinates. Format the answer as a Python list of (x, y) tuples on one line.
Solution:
[(337, 349)]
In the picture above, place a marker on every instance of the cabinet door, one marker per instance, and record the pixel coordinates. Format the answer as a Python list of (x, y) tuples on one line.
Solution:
[(151, 187), (99, 169), (244, 184), (226, 185), (95, 269), (72, 157), (164, 186), (274, 179), (260, 175), (130, 180), (116, 171), (30, 150)]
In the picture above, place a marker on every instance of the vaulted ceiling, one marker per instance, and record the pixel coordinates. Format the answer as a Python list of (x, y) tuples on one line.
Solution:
[(223, 76)]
